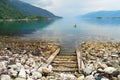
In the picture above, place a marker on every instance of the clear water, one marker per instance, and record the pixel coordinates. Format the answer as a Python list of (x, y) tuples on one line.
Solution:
[(64, 31)]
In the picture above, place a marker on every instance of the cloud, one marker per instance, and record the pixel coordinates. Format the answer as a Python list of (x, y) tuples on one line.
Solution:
[(75, 7)]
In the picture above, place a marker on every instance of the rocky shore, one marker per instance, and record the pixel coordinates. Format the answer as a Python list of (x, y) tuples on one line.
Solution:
[(21, 60), (101, 61)]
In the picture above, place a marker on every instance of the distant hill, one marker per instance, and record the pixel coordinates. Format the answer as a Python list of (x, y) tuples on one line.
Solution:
[(31, 10), (7, 11), (103, 14)]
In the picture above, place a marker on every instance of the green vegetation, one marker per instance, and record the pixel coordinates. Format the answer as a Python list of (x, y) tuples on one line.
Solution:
[(7, 11)]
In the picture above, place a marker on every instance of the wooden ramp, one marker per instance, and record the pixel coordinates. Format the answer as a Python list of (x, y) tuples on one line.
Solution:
[(67, 63)]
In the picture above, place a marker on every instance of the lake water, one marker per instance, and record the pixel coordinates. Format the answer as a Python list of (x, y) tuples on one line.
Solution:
[(64, 31)]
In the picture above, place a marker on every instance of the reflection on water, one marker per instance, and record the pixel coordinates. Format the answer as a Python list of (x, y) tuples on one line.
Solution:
[(64, 31), (21, 28)]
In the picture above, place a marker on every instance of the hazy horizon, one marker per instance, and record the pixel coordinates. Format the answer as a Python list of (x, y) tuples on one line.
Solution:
[(72, 8)]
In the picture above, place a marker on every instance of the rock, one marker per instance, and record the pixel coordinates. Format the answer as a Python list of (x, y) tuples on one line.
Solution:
[(50, 68), (88, 69), (115, 73), (104, 78), (98, 78), (5, 77), (19, 78), (81, 77), (67, 76), (2, 66), (45, 71), (36, 75), (103, 66), (30, 79), (110, 70), (12, 72), (118, 77), (90, 77), (114, 78), (22, 73)]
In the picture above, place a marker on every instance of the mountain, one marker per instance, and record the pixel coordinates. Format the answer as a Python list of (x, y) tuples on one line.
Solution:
[(7, 11), (103, 14), (31, 10)]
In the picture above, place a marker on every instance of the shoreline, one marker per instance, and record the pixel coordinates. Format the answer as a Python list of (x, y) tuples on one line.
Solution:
[(21, 59)]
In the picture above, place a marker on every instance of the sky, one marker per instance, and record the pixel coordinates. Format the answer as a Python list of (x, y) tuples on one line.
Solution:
[(72, 8)]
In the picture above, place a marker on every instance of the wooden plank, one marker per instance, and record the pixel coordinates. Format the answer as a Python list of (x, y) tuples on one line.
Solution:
[(79, 59), (51, 58)]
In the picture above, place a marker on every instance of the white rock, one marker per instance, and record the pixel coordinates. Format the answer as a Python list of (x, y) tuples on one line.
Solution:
[(88, 69), (29, 78), (68, 76), (19, 66), (90, 77), (110, 70), (81, 77), (104, 79), (22, 73), (19, 78), (5, 77), (118, 77), (50, 68), (36, 75), (2, 66)]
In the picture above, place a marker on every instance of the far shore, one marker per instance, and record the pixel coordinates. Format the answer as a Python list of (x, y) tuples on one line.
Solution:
[(25, 19)]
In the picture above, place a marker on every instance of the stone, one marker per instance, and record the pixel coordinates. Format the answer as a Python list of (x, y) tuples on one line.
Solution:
[(30, 79), (118, 77), (114, 78), (45, 71), (110, 70), (81, 77), (36, 75), (103, 66), (2, 66), (5, 77), (90, 77), (98, 78), (104, 78), (67, 76), (19, 78), (88, 69), (50, 68), (22, 73)]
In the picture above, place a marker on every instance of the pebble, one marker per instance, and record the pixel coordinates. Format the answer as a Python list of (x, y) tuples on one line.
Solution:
[(88, 69), (68, 76), (22, 73), (90, 77), (110, 70), (5, 77), (36, 75), (81, 77)]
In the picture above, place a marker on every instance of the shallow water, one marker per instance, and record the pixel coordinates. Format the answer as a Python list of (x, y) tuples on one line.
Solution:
[(64, 31)]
